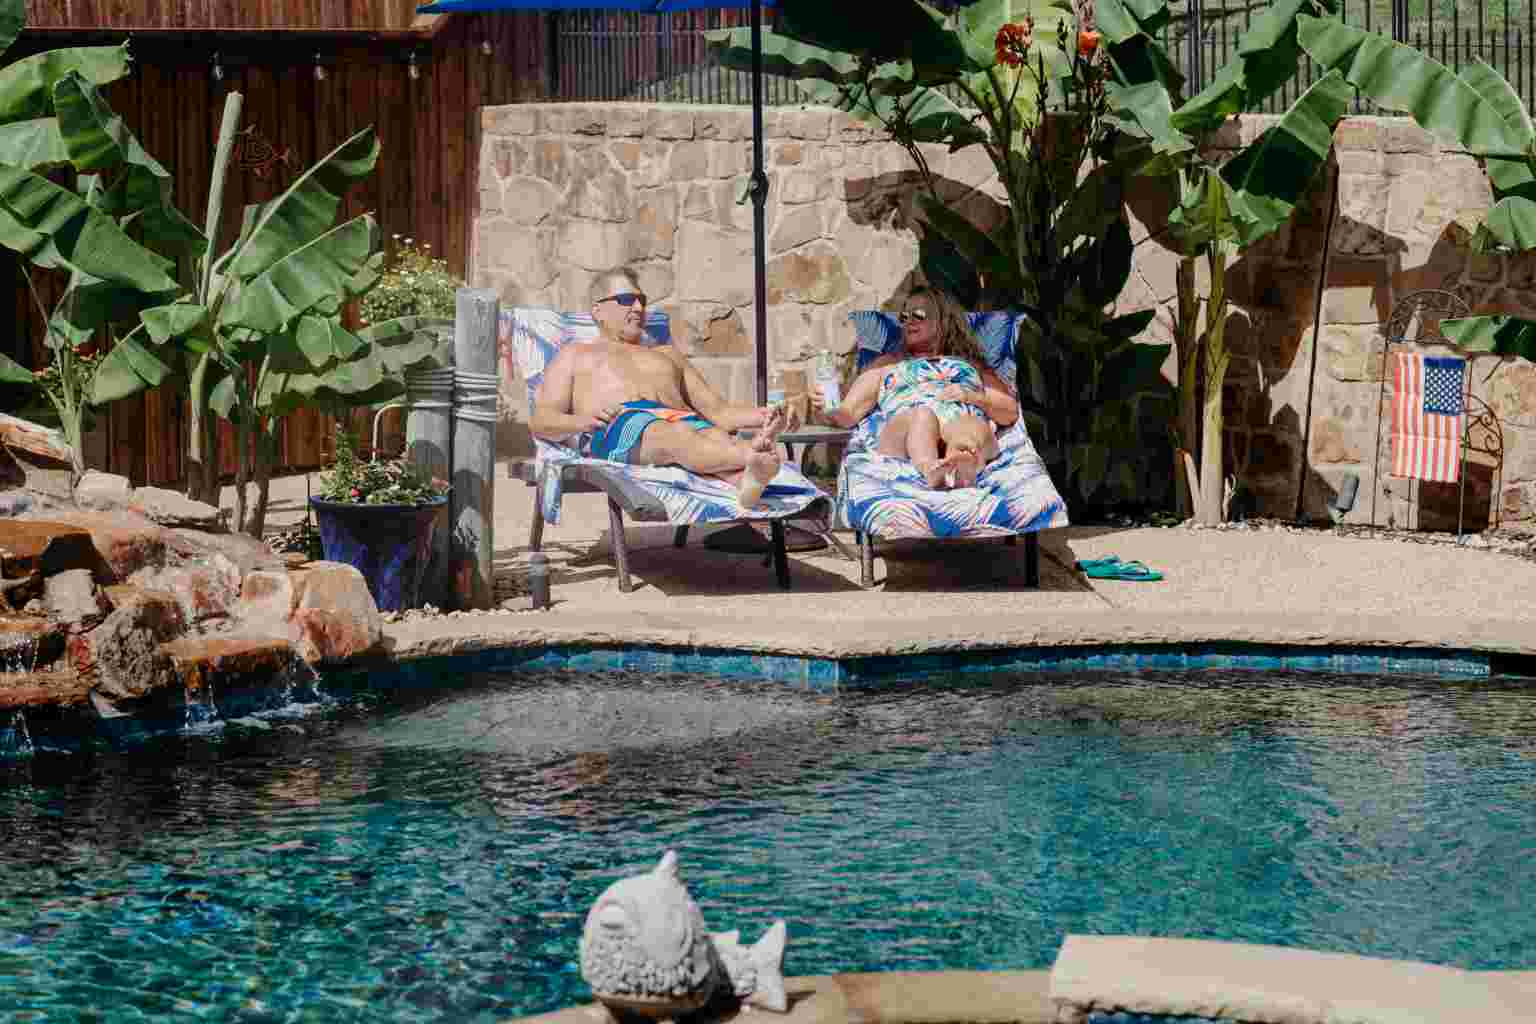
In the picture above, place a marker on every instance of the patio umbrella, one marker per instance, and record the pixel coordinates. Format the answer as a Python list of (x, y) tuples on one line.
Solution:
[(759, 185)]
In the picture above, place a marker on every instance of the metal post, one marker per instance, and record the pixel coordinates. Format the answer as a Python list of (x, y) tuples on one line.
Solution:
[(429, 448), (759, 206), (472, 506)]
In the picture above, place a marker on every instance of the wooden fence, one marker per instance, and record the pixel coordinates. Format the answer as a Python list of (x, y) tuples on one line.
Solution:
[(305, 92)]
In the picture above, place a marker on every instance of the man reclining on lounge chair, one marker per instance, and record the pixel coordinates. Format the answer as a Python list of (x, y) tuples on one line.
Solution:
[(647, 405)]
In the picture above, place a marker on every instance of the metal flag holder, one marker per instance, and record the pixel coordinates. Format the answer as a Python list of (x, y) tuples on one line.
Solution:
[(1424, 310)]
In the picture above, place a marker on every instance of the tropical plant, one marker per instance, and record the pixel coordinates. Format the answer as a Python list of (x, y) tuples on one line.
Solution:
[(1061, 253), (1218, 207), (358, 481), (1476, 110), (52, 116), (259, 332)]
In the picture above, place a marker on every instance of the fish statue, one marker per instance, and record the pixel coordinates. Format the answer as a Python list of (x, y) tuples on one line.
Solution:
[(644, 949)]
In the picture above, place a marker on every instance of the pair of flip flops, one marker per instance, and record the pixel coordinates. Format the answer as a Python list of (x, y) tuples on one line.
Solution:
[(1111, 568)]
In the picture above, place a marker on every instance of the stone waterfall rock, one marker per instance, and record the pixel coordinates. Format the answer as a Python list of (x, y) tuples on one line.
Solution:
[(169, 508), (72, 599), (102, 491), (334, 615), (121, 658)]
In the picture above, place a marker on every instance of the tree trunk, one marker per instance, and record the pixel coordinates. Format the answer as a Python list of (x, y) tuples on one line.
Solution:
[(1216, 359), (202, 439), (1186, 347)]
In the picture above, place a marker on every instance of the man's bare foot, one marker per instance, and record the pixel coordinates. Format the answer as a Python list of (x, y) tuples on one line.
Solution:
[(773, 425), (761, 468)]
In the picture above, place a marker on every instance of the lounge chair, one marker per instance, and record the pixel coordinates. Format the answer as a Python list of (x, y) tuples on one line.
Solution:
[(529, 339), (883, 497)]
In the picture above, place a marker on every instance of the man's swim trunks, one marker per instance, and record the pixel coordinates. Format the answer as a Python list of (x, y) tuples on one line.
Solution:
[(916, 383), (618, 440)]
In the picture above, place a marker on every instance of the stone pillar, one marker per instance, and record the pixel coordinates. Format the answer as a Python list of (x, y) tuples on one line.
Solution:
[(472, 507)]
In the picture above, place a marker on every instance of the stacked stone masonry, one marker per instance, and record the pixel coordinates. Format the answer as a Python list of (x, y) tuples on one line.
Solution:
[(566, 190)]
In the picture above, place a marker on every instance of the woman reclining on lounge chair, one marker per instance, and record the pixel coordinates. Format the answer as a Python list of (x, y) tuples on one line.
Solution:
[(942, 401)]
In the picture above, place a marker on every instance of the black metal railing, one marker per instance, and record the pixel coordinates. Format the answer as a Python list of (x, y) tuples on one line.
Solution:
[(606, 56)]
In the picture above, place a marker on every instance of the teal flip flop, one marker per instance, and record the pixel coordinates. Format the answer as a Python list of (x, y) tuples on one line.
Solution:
[(1113, 569), (1108, 562)]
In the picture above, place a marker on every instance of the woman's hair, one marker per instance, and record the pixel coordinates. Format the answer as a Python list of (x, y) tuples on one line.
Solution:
[(955, 335)]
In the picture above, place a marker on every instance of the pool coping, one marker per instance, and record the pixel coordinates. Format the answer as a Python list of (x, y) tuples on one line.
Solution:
[(814, 654)]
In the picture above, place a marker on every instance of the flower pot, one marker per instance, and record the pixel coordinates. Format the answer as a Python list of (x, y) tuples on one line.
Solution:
[(391, 545)]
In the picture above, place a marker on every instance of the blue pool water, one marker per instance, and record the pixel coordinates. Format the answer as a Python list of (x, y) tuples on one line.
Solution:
[(432, 858)]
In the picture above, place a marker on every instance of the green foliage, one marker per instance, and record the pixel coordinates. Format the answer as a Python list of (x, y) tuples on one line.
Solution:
[(388, 482), (1476, 110), (414, 283)]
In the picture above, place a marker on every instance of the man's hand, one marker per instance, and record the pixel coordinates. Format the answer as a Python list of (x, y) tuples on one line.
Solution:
[(600, 419)]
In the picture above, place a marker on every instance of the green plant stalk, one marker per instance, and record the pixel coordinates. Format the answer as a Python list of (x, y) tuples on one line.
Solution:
[(1186, 341), (67, 404), (202, 458), (1216, 360)]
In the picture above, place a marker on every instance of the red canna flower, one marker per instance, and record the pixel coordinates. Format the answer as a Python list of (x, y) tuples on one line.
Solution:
[(1087, 43), (1013, 41)]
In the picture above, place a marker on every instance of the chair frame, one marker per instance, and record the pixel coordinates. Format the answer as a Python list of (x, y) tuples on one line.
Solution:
[(1031, 557), (627, 498)]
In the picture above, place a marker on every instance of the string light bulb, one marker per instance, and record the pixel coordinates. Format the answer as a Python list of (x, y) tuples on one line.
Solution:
[(319, 68), (485, 47), (218, 67), (412, 68)]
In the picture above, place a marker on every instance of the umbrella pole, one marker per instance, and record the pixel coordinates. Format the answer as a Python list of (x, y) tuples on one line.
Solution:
[(759, 190)]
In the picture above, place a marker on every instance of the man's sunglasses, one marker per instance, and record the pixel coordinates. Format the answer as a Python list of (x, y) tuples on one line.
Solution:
[(908, 316), (625, 298)]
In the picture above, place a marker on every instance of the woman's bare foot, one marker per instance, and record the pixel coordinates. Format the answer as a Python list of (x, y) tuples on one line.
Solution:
[(934, 473), (964, 466), (773, 425), (761, 468)]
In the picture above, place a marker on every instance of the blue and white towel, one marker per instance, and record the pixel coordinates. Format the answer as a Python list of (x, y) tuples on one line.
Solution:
[(888, 497), (531, 338)]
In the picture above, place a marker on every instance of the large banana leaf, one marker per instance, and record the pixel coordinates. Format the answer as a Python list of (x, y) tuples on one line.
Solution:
[(53, 227), (1267, 53), (901, 30), (1500, 335), (304, 277), (983, 252), (98, 141), (26, 87), (1131, 31), (307, 209), (33, 143), (127, 369), (13, 18), (1402, 78), (1274, 172)]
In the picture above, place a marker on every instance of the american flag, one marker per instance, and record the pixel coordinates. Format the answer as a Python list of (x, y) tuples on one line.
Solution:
[(1428, 415)]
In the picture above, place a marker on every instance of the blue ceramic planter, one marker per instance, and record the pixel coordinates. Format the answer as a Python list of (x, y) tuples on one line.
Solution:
[(390, 545)]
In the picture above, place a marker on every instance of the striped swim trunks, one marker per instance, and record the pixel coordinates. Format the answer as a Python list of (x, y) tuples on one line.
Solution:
[(618, 440)]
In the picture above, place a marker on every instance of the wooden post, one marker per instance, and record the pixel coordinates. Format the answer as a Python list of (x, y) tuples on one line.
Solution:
[(429, 448), (472, 506)]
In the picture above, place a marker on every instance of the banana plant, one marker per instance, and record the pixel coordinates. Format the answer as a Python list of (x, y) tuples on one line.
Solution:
[(1218, 208), (1476, 110), (52, 116), (1062, 252), (269, 303)]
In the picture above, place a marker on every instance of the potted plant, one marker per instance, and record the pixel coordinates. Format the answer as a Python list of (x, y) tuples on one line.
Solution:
[(379, 517)]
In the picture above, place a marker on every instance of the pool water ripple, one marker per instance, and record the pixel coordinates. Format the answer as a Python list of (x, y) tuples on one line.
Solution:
[(432, 857)]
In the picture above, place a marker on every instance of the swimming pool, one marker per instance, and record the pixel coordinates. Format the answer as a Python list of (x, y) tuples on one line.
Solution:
[(431, 856)]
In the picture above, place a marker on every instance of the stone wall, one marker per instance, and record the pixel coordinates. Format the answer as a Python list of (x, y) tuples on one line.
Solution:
[(567, 190)]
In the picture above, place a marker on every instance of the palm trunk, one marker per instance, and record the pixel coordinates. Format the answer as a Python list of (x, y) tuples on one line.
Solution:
[(1216, 359), (1186, 340)]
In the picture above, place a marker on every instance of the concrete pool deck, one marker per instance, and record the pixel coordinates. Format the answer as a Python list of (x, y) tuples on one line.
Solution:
[(1311, 588)]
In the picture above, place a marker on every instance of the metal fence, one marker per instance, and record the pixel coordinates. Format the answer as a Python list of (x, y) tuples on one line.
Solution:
[(603, 56)]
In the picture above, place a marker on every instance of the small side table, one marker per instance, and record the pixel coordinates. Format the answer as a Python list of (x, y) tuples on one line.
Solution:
[(745, 539)]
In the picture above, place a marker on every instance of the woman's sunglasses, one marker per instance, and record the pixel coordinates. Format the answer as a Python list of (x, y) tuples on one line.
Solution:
[(625, 298), (908, 316)]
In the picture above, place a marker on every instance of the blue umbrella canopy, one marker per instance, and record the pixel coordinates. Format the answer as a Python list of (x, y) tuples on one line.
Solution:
[(759, 185)]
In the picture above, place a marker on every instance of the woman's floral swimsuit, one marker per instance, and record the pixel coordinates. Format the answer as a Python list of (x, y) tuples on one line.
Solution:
[(917, 383)]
